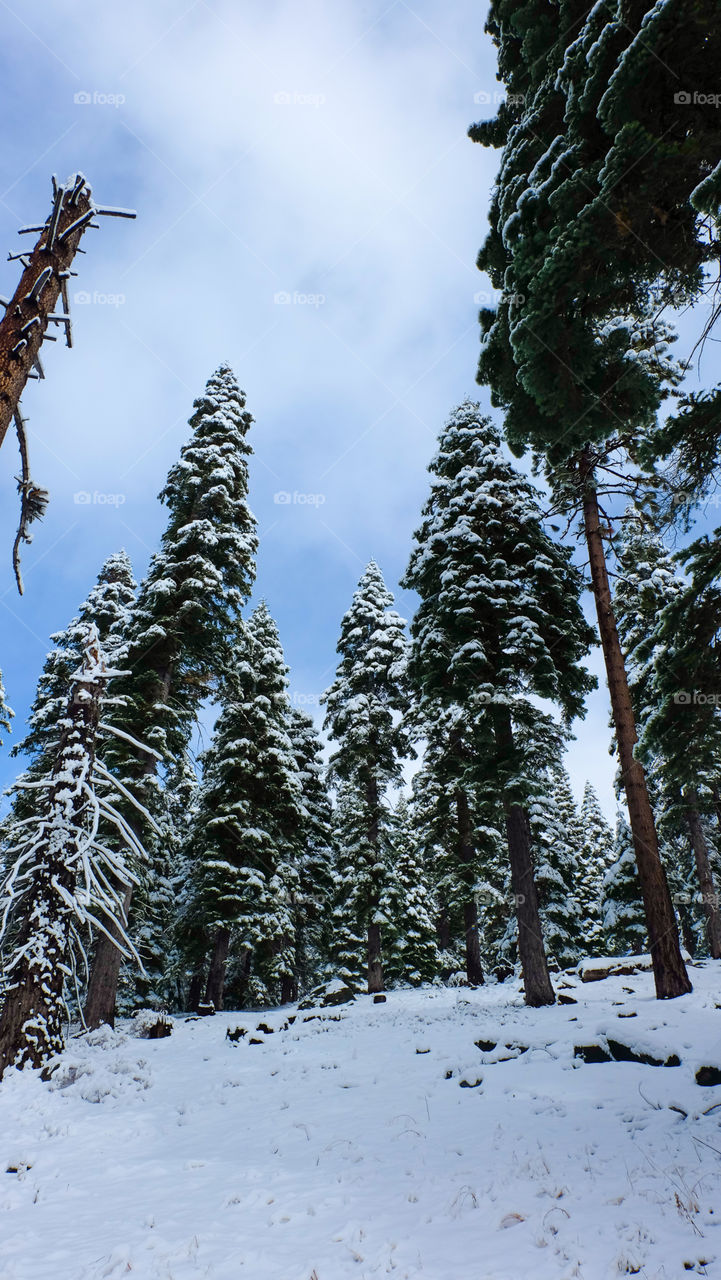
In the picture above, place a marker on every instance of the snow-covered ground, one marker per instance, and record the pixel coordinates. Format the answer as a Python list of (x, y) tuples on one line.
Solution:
[(371, 1140)]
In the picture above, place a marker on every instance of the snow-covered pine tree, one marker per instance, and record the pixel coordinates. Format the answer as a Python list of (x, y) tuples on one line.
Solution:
[(556, 849), (64, 880), (348, 941), (363, 707), (499, 622), (408, 907), (313, 923), (108, 607), (666, 628), (596, 857), (458, 826), (581, 386), (249, 822), (623, 923), (186, 623)]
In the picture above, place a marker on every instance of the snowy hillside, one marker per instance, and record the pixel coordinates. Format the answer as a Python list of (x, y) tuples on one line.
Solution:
[(370, 1140)]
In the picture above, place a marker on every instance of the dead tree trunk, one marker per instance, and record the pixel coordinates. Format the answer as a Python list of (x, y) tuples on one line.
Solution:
[(34, 305), (669, 970), (34, 1011), (467, 857), (704, 873), (536, 979)]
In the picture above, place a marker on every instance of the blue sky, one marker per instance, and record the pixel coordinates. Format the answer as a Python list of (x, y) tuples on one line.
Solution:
[(309, 208)]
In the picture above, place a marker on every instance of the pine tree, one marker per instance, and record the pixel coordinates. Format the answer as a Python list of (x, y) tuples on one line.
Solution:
[(313, 929), (363, 704), (107, 607), (680, 744), (63, 879), (186, 622), (349, 941), (596, 857), (622, 918), (408, 908), (573, 352), (499, 622), (249, 823), (556, 850)]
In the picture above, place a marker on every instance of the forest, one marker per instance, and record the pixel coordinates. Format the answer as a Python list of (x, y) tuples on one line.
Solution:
[(418, 839)]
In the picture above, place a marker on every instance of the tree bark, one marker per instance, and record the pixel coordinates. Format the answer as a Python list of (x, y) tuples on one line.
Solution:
[(375, 962), (104, 974), (24, 324), (536, 979), (704, 873), (669, 970), (467, 857), (216, 974)]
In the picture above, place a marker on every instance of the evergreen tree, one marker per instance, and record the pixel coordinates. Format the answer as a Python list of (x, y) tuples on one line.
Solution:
[(249, 820), (573, 353), (186, 623), (680, 742), (499, 622), (63, 879), (108, 607), (556, 850), (622, 917), (363, 706), (313, 926), (596, 858), (453, 813), (408, 908), (349, 940)]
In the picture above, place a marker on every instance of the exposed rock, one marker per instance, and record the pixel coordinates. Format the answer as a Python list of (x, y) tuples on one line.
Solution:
[(707, 1076)]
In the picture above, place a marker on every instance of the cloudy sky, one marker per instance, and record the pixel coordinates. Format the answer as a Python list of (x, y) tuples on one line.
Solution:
[(309, 208)]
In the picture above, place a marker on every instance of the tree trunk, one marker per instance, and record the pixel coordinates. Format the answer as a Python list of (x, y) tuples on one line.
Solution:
[(104, 974), (216, 973), (195, 990), (375, 948), (25, 322), (467, 856), (536, 980), (669, 970), (375, 962), (709, 895)]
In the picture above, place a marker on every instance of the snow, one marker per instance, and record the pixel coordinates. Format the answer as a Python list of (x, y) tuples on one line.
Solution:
[(369, 1140)]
